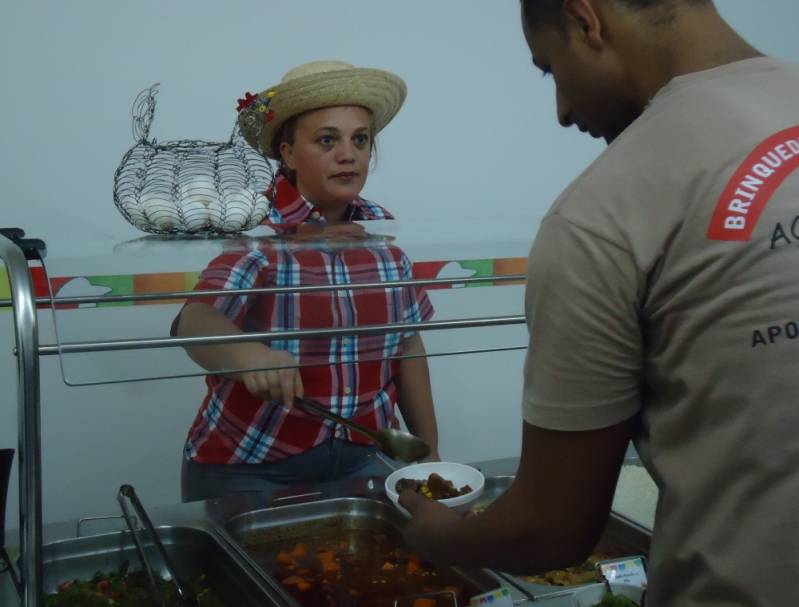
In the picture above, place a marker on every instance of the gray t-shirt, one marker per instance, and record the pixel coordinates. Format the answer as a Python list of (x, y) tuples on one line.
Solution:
[(665, 281)]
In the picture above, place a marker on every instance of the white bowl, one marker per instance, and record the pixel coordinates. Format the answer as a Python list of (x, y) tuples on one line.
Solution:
[(459, 474)]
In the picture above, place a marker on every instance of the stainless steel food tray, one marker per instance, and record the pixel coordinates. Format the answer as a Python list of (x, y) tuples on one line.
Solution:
[(621, 533), (304, 520), (193, 552)]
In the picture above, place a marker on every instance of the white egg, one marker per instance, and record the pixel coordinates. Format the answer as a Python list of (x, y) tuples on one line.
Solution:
[(235, 219), (242, 210), (135, 213), (234, 222), (198, 189), (239, 206), (155, 201), (195, 215), (239, 198), (159, 210), (164, 219), (260, 209), (215, 214)]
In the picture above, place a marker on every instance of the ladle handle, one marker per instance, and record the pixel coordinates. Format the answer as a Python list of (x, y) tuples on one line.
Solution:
[(314, 407)]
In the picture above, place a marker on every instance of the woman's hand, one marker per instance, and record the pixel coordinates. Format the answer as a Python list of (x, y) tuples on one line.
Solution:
[(279, 379)]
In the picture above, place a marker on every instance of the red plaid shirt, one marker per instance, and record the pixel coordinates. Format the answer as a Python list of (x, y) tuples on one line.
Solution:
[(353, 375)]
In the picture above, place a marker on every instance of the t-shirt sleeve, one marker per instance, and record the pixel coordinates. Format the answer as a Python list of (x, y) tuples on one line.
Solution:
[(583, 367)]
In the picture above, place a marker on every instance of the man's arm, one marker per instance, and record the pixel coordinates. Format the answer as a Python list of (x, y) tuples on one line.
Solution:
[(415, 396), (552, 515)]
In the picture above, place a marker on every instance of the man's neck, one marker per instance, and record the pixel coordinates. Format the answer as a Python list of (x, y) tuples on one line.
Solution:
[(699, 39)]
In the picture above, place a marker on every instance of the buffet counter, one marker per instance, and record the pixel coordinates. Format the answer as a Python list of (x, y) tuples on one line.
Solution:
[(246, 544)]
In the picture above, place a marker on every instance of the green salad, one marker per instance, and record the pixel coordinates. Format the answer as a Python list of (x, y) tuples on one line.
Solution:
[(128, 589), (616, 600)]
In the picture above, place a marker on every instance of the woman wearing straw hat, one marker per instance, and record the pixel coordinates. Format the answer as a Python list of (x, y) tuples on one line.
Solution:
[(319, 124)]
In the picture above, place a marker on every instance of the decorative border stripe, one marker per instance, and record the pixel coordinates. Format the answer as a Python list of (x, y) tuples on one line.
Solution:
[(138, 284)]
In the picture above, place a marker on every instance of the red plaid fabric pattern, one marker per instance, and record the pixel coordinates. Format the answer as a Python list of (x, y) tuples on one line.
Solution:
[(289, 209), (353, 375)]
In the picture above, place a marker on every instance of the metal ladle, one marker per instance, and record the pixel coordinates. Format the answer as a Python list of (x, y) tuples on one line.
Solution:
[(394, 443)]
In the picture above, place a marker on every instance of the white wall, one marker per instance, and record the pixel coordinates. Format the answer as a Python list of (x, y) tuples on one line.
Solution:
[(476, 147)]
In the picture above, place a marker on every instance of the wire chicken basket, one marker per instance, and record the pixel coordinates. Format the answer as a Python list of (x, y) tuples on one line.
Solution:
[(189, 186)]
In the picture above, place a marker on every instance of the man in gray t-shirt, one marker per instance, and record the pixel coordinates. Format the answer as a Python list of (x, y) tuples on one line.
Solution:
[(663, 306)]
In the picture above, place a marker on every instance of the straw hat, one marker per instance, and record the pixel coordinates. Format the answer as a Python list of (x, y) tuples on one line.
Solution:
[(315, 85)]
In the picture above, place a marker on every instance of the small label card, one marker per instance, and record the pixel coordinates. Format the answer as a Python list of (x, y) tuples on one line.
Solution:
[(630, 570), (496, 598)]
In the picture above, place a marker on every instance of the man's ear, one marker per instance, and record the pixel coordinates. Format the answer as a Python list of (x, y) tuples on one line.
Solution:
[(584, 17)]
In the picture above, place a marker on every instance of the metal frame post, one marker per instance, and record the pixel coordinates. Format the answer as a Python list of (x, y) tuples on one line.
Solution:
[(29, 419)]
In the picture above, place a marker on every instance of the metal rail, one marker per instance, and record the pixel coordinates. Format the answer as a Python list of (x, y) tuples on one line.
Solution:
[(98, 299), (30, 473), (171, 342), (204, 372)]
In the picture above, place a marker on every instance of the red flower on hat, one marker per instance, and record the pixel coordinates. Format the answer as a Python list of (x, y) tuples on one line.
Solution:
[(270, 116), (246, 102)]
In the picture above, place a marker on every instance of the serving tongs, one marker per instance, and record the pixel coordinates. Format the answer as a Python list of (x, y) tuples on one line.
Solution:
[(127, 491)]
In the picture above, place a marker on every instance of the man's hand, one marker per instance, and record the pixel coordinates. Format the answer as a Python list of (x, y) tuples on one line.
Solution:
[(274, 383), (427, 531)]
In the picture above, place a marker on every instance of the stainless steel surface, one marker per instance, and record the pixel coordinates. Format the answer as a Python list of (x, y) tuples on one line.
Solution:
[(172, 342), (95, 299), (628, 535), (493, 487), (29, 430), (394, 443), (107, 551), (193, 551), (127, 492), (88, 519), (306, 520), (621, 534)]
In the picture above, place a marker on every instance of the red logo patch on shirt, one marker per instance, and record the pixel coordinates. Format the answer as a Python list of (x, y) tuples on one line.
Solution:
[(752, 186)]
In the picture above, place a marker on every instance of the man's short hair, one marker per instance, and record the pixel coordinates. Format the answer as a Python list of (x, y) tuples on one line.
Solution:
[(549, 13)]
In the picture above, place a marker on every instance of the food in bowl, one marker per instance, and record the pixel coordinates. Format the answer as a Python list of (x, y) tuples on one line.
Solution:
[(460, 475), (434, 487)]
